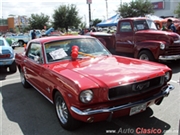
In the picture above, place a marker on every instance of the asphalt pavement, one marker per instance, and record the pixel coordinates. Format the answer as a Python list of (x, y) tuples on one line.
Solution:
[(27, 112)]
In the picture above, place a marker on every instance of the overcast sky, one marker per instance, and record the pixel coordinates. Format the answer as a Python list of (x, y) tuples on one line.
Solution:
[(28, 7)]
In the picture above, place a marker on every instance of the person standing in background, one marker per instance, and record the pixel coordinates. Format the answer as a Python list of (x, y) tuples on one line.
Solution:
[(170, 26), (33, 34)]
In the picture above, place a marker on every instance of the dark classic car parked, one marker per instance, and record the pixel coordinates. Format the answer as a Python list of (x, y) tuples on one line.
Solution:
[(85, 82), (138, 37)]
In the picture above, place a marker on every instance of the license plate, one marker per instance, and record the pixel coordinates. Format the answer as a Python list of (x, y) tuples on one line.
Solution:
[(137, 109), (3, 63)]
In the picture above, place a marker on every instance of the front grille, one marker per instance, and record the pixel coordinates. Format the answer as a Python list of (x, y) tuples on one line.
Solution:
[(135, 89), (173, 50), (4, 56)]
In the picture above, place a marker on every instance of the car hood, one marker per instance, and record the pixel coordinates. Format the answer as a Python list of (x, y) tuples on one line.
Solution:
[(112, 70), (157, 35), (154, 32)]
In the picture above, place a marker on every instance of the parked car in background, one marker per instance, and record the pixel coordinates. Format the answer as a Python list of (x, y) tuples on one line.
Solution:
[(138, 37), (85, 82), (7, 56), (19, 38), (12, 42), (23, 38)]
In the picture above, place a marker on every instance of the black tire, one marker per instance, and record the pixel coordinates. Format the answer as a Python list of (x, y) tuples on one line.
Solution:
[(63, 114), (12, 67), (146, 55), (21, 43), (23, 80)]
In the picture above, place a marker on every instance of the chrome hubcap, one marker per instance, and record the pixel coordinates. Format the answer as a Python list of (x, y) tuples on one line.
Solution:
[(61, 109), (144, 57), (20, 43)]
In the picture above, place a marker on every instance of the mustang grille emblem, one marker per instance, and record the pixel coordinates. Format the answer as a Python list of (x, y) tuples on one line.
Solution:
[(140, 86)]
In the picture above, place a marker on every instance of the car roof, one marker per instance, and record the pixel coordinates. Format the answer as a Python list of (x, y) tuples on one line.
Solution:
[(5, 42), (135, 18), (56, 38), (1, 38)]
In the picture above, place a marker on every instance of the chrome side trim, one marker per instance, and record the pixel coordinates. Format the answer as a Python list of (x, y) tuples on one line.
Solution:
[(165, 91), (40, 92)]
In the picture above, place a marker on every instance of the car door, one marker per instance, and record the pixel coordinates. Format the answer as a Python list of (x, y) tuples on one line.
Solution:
[(34, 64), (124, 37)]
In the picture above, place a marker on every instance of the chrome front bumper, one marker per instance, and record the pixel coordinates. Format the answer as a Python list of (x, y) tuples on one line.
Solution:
[(165, 91), (172, 57)]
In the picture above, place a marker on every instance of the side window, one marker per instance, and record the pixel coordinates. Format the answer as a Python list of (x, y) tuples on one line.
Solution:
[(1, 43), (35, 52), (125, 27)]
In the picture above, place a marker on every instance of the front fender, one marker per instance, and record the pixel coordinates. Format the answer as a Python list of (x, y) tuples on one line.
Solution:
[(70, 84), (18, 58), (152, 46)]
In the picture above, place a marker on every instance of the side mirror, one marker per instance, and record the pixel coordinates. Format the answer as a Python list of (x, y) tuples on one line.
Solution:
[(74, 52)]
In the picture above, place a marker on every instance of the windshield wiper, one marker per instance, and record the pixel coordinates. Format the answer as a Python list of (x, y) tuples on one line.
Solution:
[(85, 54)]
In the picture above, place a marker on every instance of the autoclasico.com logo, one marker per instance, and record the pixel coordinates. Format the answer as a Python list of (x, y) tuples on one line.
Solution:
[(139, 131)]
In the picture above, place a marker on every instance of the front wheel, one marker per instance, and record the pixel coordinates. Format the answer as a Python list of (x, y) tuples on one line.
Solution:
[(63, 114), (21, 43), (146, 55)]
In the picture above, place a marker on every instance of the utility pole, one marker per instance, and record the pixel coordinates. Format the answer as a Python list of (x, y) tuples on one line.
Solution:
[(89, 15), (106, 9), (89, 5)]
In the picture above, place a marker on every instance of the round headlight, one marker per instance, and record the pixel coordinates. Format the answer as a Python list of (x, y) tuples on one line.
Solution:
[(162, 46), (167, 76), (86, 96)]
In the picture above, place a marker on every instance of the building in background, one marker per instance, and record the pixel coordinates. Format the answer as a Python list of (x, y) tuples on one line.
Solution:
[(165, 8), (3, 26), (10, 21), (9, 24), (21, 21)]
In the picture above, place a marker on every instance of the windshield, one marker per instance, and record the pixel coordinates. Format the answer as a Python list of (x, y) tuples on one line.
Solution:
[(144, 25), (61, 50)]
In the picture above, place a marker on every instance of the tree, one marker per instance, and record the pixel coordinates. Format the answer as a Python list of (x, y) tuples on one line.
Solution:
[(82, 25), (135, 8), (66, 16), (38, 21), (96, 21), (177, 10)]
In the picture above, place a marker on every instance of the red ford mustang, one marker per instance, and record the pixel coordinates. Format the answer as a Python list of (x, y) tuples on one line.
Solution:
[(87, 83)]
